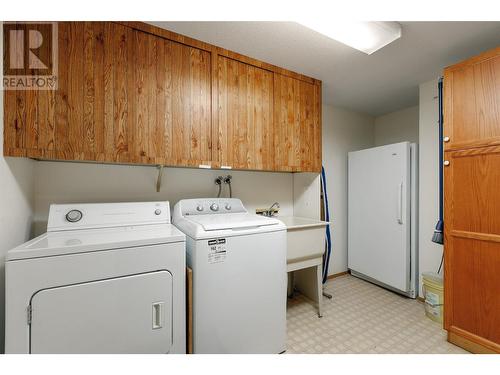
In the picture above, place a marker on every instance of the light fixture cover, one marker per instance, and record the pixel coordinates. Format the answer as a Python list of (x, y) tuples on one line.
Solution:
[(367, 37)]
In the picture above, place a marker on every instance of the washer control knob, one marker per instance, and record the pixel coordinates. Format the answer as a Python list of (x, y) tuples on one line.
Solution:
[(214, 207), (228, 206), (157, 211), (199, 208), (74, 215)]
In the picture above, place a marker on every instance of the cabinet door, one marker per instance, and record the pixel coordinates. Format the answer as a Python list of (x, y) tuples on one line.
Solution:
[(36, 122), (472, 245), (185, 105), (472, 108), (297, 125), (245, 102)]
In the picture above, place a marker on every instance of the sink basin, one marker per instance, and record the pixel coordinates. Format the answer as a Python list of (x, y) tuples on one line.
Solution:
[(305, 238)]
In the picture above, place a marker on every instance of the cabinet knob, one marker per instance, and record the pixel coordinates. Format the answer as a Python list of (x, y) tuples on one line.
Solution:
[(446, 139), (446, 162)]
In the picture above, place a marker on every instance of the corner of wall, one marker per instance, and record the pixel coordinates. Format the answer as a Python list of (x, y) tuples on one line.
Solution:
[(306, 195)]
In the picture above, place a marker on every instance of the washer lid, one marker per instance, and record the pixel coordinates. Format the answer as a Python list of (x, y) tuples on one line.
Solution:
[(89, 240), (231, 221)]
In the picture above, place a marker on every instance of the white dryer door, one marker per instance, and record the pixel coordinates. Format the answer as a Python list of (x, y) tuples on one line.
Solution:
[(131, 314)]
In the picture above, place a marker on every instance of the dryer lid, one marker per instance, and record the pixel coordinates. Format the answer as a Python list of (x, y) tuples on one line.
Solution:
[(89, 240)]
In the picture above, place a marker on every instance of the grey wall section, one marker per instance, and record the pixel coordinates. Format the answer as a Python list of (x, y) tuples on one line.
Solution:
[(397, 127), (16, 205), (343, 131), (429, 252)]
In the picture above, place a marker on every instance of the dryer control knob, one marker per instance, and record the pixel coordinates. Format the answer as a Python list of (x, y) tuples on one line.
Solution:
[(214, 207), (199, 208), (157, 212), (74, 215)]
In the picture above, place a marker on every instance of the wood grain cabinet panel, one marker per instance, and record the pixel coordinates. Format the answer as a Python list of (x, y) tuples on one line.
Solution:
[(245, 118), (472, 244), (297, 125), (472, 203), (472, 109), (188, 103)]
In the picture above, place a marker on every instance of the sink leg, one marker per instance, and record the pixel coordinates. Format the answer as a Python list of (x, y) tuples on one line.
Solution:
[(319, 287)]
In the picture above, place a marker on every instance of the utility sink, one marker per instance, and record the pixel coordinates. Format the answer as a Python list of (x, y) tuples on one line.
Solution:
[(305, 238), (305, 248)]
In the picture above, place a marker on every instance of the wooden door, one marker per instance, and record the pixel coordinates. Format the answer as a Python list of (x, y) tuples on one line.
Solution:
[(172, 103), (297, 125), (472, 204), (245, 115)]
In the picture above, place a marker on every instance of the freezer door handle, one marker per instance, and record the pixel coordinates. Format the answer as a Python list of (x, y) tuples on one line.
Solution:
[(400, 203)]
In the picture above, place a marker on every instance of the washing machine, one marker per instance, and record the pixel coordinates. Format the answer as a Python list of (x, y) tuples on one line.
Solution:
[(239, 276), (105, 278)]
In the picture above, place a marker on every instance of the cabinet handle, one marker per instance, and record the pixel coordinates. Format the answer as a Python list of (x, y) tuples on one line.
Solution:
[(446, 163), (446, 139)]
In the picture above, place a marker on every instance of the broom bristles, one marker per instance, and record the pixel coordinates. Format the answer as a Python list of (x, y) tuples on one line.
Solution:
[(437, 236)]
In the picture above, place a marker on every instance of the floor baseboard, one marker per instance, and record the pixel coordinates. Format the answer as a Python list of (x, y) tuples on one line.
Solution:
[(338, 274)]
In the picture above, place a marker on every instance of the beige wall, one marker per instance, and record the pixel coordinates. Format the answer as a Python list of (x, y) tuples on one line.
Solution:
[(16, 205), (429, 252), (397, 127), (343, 131)]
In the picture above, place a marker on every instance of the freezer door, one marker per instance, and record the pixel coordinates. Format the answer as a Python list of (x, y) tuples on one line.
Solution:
[(131, 314), (379, 214)]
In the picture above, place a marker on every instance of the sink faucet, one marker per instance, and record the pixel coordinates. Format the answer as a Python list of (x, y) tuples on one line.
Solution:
[(269, 211)]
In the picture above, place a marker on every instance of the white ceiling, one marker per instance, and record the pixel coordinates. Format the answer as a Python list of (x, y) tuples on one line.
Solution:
[(374, 84)]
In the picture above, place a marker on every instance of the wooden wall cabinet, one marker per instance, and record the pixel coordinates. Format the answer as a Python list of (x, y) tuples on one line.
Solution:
[(132, 93), (472, 203), (297, 119)]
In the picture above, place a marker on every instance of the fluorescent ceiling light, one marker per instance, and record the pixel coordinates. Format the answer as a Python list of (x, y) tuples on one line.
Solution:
[(367, 37)]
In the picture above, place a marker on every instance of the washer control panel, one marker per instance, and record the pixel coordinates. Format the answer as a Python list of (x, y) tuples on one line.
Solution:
[(207, 206)]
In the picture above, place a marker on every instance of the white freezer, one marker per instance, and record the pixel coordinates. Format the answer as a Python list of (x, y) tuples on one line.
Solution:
[(382, 218)]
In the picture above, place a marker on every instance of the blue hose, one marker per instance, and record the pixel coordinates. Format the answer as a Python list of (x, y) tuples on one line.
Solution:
[(437, 236), (326, 255)]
